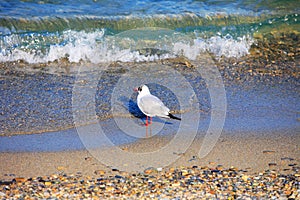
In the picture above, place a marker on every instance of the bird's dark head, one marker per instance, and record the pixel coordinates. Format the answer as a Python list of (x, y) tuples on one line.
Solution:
[(142, 89)]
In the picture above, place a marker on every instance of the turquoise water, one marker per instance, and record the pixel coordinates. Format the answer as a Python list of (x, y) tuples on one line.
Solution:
[(42, 41), (37, 31), (118, 8)]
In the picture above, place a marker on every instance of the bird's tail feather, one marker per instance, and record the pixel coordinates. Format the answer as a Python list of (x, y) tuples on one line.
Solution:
[(173, 117)]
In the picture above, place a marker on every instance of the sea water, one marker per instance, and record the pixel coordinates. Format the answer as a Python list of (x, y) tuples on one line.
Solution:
[(45, 44), (41, 31)]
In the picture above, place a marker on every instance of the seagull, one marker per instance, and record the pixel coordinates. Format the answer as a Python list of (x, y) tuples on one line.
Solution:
[(152, 106)]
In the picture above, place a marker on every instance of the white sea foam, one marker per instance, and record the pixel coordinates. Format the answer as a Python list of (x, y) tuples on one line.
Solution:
[(219, 46), (96, 47)]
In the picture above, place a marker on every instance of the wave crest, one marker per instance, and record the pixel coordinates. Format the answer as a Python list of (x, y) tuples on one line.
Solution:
[(98, 47)]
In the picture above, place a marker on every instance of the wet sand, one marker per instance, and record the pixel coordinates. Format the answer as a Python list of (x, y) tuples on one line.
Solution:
[(252, 153)]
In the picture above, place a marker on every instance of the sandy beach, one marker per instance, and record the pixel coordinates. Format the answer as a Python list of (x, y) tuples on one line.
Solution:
[(264, 156), (252, 153)]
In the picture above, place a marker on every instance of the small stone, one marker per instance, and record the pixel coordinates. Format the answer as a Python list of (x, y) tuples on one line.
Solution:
[(232, 168), (20, 179), (171, 169), (288, 192), (219, 167), (149, 170), (88, 158), (46, 194), (287, 158), (176, 184), (124, 148), (272, 164), (268, 152), (99, 172), (54, 176), (109, 188), (188, 64), (60, 168), (48, 183), (184, 172), (245, 177), (119, 177), (102, 186)]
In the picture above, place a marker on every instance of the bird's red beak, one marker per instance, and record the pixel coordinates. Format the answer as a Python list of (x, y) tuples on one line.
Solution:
[(135, 89)]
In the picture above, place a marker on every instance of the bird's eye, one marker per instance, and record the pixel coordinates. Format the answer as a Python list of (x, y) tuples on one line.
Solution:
[(140, 89)]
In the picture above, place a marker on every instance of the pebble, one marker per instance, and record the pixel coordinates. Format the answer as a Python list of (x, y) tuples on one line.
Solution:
[(272, 164), (99, 172), (268, 152), (157, 183), (20, 179), (60, 168)]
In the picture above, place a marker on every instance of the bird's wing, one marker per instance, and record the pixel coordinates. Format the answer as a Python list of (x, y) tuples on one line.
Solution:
[(153, 106)]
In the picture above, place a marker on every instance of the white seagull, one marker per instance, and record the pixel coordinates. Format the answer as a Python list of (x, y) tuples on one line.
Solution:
[(152, 106)]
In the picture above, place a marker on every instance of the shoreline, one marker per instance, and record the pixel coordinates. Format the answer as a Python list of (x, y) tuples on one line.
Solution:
[(240, 77), (248, 152)]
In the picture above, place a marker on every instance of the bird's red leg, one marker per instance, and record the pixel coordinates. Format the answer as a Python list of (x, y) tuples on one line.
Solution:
[(146, 120), (150, 120)]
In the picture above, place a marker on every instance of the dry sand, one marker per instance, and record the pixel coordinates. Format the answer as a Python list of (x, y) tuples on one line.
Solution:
[(252, 152)]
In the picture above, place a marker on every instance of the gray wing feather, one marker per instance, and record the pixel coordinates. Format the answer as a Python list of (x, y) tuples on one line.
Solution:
[(153, 106)]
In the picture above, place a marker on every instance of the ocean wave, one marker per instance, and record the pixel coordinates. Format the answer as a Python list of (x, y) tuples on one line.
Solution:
[(219, 46), (97, 46), (119, 23)]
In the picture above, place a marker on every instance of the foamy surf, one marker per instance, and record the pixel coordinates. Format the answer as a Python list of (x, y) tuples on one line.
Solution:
[(98, 47)]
